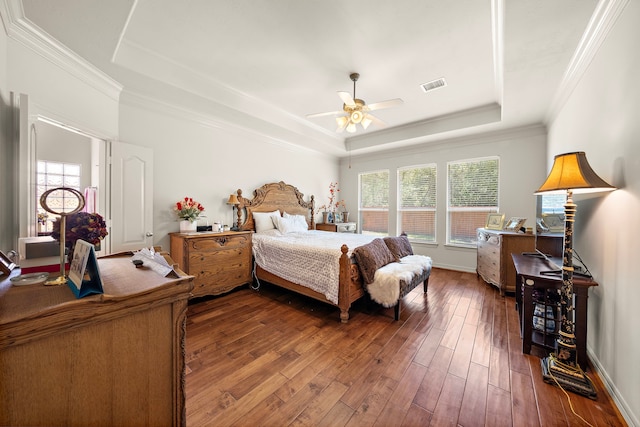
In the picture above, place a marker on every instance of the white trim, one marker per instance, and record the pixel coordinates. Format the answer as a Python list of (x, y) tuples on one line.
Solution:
[(497, 23), (621, 404), (156, 105), (602, 21), (20, 29)]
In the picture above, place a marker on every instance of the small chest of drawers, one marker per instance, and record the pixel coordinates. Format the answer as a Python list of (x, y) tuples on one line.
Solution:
[(494, 263), (220, 262), (339, 227)]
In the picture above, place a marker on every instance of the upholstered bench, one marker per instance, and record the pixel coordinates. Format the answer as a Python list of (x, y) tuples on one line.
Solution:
[(390, 270)]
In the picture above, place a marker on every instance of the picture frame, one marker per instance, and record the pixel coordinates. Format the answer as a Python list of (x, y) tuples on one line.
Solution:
[(515, 223), (495, 221), (554, 222), (6, 265)]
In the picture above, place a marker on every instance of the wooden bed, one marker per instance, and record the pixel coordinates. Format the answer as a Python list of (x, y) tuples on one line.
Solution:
[(287, 198)]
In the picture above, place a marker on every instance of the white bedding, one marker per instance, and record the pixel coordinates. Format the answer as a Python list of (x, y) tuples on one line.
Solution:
[(310, 258)]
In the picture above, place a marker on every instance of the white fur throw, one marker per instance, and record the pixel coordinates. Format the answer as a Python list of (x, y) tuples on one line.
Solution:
[(385, 288)]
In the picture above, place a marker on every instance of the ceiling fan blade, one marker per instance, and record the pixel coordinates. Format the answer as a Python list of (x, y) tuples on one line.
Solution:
[(385, 104), (328, 113), (347, 98), (376, 121)]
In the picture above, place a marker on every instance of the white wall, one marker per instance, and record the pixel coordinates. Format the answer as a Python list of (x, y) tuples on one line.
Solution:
[(522, 155), (6, 158), (196, 156), (601, 118)]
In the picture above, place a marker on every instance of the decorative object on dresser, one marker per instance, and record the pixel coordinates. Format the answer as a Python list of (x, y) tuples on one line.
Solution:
[(495, 221), (570, 173), (62, 202), (233, 201), (344, 227), (188, 211), (330, 210), (6, 265), (494, 263), (111, 359), (219, 262), (515, 224)]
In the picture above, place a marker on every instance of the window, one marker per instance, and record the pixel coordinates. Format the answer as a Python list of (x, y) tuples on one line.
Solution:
[(417, 202), (472, 193), (51, 175), (553, 203), (374, 202)]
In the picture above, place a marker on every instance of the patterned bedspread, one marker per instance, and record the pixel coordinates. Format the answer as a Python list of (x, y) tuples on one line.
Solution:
[(310, 258)]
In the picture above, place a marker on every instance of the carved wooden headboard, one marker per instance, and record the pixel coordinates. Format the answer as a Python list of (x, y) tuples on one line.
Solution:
[(268, 198)]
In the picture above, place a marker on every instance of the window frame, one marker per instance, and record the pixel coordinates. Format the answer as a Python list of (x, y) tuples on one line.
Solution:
[(362, 210), (472, 242), (434, 210), (46, 185)]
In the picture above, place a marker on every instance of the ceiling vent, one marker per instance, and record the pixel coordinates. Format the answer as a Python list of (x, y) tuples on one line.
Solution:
[(433, 85)]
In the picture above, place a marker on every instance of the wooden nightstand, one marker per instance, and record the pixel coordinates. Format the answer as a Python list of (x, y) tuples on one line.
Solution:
[(340, 227), (220, 262)]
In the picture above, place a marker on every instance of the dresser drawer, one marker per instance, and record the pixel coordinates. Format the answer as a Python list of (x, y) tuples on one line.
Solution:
[(217, 243), (346, 228)]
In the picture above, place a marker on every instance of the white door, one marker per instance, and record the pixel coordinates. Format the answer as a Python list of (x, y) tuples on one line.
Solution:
[(131, 197)]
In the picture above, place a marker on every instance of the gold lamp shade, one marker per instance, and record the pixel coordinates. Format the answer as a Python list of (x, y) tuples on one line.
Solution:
[(571, 171), (233, 200)]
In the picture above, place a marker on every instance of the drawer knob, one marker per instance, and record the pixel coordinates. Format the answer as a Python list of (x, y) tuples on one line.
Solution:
[(529, 282)]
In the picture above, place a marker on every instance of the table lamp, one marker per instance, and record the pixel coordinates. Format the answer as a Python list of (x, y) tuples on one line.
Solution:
[(570, 173), (233, 200)]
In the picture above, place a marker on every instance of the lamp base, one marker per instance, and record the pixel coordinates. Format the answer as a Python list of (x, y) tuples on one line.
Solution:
[(568, 378)]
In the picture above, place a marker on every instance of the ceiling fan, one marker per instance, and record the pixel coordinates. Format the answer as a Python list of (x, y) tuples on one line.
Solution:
[(356, 111)]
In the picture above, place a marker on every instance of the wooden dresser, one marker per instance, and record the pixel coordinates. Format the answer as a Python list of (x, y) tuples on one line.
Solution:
[(339, 227), (110, 359), (220, 262), (494, 263)]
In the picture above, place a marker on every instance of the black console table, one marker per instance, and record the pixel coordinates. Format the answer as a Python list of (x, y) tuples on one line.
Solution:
[(537, 304)]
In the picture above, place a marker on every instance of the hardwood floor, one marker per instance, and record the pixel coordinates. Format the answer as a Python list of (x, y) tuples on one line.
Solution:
[(274, 358)]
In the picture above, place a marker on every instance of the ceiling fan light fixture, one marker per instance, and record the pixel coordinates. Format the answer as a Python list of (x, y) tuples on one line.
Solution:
[(351, 127), (356, 116), (366, 121), (342, 121)]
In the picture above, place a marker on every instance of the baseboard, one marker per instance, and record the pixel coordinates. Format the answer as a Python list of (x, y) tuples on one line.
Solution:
[(631, 419)]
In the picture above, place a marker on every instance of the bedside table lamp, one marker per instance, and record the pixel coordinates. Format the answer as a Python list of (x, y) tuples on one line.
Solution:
[(570, 174), (233, 200)]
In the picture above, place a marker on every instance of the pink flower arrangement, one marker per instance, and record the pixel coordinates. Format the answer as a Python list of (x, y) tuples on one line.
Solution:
[(188, 209), (333, 204)]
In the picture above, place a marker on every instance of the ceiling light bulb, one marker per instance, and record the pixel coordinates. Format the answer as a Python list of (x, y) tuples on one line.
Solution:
[(356, 116), (342, 121), (351, 128), (366, 121)]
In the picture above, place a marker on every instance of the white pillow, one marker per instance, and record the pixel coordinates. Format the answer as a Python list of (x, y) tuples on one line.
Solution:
[(264, 220), (299, 219), (290, 224)]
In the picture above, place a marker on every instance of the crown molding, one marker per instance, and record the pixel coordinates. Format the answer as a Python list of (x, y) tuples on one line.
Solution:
[(20, 29), (509, 134), (482, 115), (150, 103), (602, 21)]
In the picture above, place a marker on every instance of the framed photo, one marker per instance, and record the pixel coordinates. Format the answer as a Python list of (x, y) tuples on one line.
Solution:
[(515, 223), (555, 222), (495, 221), (6, 265)]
